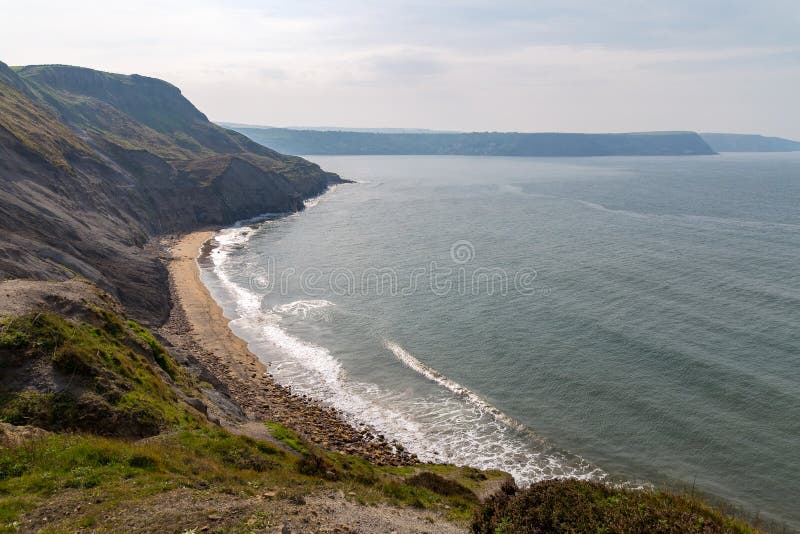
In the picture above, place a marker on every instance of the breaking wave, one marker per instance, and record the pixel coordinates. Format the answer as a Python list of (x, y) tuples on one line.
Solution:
[(441, 422)]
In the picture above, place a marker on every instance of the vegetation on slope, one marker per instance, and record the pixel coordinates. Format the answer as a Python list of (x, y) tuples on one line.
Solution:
[(581, 506), (138, 113), (103, 376), (36, 129), (76, 469), (100, 384)]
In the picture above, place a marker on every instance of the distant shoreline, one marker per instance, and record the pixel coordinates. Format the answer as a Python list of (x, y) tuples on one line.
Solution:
[(354, 143)]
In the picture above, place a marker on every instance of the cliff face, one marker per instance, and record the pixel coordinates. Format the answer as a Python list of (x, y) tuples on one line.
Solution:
[(93, 165)]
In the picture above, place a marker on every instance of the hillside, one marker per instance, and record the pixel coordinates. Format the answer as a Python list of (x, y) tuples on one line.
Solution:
[(722, 142), (307, 142), (102, 429), (93, 165), (126, 402), (105, 429)]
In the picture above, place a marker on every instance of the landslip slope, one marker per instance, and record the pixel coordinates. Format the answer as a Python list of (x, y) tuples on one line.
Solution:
[(93, 165)]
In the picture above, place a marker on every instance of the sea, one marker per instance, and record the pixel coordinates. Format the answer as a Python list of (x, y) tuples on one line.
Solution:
[(628, 319)]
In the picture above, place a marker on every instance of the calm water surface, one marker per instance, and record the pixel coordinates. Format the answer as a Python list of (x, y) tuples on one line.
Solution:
[(621, 318)]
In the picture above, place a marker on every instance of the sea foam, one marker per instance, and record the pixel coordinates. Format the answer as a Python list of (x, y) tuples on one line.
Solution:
[(450, 424)]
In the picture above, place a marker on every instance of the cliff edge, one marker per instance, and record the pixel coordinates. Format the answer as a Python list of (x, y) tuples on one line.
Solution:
[(93, 165)]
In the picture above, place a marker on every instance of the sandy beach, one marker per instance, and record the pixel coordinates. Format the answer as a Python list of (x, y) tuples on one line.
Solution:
[(198, 328), (209, 325)]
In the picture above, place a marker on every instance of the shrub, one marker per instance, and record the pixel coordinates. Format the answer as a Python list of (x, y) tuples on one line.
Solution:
[(405, 494), (142, 461), (240, 452), (315, 465), (582, 506), (439, 484)]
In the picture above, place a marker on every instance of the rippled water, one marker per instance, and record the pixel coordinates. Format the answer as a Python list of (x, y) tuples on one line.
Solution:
[(634, 319)]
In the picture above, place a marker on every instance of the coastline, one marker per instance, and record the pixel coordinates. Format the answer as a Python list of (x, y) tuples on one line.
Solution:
[(198, 328)]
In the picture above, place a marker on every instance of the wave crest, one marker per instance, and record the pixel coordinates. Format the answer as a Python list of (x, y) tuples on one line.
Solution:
[(306, 309), (435, 376)]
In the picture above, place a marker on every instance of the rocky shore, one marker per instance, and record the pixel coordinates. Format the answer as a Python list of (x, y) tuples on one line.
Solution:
[(198, 333)]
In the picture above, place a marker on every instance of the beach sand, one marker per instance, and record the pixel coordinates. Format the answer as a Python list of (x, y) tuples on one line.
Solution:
[(209, 325), (198, 329)]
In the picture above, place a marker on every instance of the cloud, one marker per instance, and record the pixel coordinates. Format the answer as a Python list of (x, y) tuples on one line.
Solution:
[(445, 64), (404, 67)]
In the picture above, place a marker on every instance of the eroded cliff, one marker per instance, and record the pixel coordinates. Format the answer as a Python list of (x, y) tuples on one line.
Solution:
[(94, 165)]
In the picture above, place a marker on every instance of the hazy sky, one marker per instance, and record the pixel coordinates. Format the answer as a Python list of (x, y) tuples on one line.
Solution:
[(561, 65)]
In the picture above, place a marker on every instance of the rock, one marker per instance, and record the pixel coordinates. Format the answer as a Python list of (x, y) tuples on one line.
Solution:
[(197, 404), (14, 436)]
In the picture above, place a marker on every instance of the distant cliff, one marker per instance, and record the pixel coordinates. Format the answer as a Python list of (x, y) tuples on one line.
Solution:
[(93, 165), (307, 142), (722, 142)]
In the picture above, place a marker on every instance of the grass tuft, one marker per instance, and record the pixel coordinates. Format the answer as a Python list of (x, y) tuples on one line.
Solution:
[(439, 484), (287, 436)]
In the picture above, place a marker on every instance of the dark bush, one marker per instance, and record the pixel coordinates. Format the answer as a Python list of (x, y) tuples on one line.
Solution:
[(439, 484), (142, 461), (315, 465), (87, 412), (573, 506)]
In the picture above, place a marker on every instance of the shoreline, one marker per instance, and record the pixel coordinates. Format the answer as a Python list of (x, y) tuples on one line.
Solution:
[(198, 327)]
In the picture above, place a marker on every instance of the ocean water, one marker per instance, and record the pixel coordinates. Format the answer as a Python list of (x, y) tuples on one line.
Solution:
[(628, 319)]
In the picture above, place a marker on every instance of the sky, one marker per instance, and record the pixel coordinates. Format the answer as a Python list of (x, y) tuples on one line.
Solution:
[(503, 65)]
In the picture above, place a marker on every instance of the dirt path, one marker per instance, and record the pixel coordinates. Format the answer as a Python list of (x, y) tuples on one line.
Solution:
[(187, 510)]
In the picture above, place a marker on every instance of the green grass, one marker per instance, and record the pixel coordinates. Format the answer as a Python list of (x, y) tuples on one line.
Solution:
[(206, 459), (37, 129), (42, 469), (114, 368), (160, 355), (111, 384), (287, 436)]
